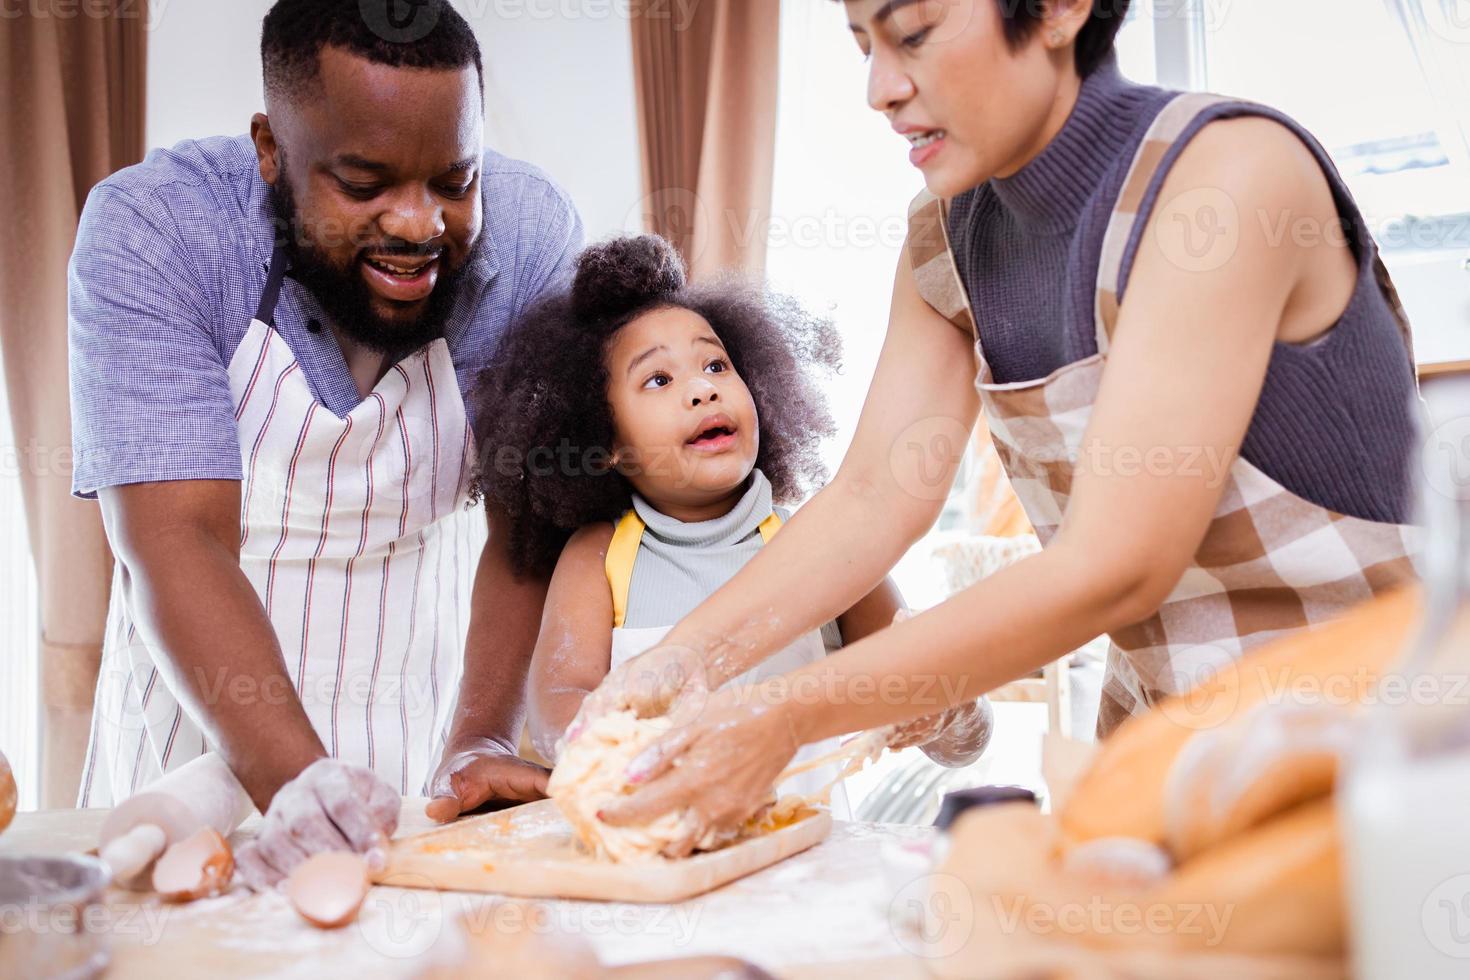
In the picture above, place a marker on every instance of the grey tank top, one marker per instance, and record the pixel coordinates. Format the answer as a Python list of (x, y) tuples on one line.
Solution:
[(1335, 423), (680, 565)]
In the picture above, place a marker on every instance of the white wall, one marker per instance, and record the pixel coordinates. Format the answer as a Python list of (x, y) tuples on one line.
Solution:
[(560, 94), (559, 82)]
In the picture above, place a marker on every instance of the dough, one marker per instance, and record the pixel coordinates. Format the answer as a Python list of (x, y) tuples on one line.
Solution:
[(589, 776)]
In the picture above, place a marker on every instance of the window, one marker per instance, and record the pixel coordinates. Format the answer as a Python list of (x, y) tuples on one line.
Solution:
[(1350, 71), (18, 623)]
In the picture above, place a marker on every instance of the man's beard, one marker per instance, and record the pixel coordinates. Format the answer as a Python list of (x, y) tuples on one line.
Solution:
[(348, 300)]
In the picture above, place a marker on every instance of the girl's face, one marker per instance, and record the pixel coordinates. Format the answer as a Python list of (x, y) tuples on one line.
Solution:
[(685, 426), (970, 107)]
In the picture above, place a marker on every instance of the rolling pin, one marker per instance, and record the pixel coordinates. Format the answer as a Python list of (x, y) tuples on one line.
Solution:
[(201, 793)]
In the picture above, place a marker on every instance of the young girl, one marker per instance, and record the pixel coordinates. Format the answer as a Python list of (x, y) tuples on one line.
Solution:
[(636, 435)]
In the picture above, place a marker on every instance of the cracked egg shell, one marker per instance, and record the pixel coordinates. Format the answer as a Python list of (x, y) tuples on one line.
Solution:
[(196, 867), (327, 889)]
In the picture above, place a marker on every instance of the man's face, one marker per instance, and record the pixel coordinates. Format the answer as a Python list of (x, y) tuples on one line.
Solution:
[(377, 169)]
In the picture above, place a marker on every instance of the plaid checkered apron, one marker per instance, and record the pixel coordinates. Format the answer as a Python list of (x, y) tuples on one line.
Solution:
[(1270, 563)]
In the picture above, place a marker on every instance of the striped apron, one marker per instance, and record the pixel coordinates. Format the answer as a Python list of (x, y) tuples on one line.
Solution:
[(1270, 563), (628, 642), (359, 537)]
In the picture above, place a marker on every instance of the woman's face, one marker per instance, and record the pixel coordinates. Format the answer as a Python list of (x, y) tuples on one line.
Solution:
[(685, 427), (970, 107)]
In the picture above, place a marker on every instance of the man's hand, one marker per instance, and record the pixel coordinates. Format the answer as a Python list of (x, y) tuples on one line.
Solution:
[(479, 772), (331, 806)]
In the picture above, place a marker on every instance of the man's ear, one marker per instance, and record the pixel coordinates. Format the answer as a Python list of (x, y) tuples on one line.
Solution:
[(267, 153)]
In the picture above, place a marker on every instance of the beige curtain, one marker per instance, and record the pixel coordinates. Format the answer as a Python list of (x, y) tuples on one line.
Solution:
[(706, 73), (72, 114)]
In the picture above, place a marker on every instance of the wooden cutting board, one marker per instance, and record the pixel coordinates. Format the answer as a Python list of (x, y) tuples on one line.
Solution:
[(530, 851)]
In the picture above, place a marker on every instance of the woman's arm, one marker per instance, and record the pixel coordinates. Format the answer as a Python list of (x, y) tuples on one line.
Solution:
[(574, 649), (951, 736), (886, 495), (1184, 375)]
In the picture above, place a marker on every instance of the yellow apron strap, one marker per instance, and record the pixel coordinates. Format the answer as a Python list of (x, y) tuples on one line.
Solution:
[(622, 552)]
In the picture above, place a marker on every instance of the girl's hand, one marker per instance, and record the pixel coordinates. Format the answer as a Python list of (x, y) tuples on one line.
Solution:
[(954, 737), (655, 682), (720, 766)]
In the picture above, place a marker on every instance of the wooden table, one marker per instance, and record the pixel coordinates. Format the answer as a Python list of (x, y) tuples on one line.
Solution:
[(822, 913)]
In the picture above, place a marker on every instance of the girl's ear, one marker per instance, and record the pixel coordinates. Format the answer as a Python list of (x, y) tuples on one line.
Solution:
[(615, 459)]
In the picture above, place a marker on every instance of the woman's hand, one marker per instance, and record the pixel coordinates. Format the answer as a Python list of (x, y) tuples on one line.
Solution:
[(655, 682), (721, 766)]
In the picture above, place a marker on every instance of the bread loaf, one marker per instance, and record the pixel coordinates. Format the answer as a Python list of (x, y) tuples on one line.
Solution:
[(1122, 793)]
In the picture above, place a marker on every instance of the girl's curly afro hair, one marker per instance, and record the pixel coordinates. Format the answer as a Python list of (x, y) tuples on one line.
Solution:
[(542, 419)]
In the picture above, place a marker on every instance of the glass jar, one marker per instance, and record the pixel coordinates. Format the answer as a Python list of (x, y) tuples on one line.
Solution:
[(1405, 795)]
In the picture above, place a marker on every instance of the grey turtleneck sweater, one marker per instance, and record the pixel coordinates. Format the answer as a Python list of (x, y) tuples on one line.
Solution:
[(680, 565), (1334, 424)]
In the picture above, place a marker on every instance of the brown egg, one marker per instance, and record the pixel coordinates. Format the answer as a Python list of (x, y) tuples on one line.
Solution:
[(7, 793), (196, 867), (328, 888)]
